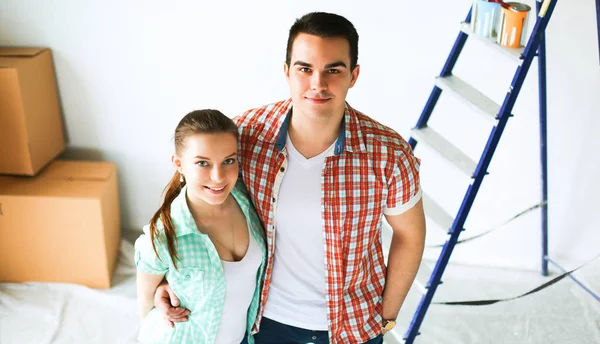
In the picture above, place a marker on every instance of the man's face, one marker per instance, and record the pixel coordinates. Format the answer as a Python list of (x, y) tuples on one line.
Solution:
[(319, 76)]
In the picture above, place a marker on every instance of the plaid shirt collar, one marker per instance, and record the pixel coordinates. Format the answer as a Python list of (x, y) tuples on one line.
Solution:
[(350, 138)]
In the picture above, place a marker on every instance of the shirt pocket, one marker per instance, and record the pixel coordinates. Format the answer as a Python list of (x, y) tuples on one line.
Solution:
[(188, 285)]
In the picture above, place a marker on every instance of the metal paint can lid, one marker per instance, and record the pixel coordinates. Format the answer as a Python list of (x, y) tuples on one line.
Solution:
[(519, 7)]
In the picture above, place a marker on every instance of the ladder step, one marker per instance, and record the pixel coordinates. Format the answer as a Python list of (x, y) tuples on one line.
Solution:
[(469, 95), (446, 149), (437, 213), (422, 277), (512, 54), (386, 237)]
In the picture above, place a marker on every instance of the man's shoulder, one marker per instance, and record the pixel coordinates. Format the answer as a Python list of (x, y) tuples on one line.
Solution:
[(261, 116), (376, 133)]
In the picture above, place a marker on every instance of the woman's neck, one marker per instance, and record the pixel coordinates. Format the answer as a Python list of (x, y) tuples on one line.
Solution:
[(202, 210)]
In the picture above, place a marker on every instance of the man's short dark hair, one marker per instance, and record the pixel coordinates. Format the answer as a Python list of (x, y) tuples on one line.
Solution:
[(324, 25)]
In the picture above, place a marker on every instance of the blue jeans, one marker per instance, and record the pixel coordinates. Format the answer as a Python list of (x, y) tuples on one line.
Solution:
[(273, 332)]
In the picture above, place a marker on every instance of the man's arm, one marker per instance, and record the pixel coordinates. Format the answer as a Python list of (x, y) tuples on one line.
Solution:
[(406, 251)]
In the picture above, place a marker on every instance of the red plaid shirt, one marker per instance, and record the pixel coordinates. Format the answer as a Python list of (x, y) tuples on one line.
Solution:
[(371, 172)]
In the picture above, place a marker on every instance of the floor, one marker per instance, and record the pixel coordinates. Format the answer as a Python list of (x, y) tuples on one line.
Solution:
[(42, 313)]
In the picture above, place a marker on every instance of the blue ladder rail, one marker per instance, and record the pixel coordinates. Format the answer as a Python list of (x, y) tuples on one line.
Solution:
[(543, 144), (534, 42), (598, 23)]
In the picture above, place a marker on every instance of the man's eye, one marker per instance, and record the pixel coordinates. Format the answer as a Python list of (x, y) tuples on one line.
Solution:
[(305, 70), (229, 161), (202, 163), (334, 71)]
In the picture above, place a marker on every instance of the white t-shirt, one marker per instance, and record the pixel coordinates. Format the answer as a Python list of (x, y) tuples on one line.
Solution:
[(297, 294), (240, 281)]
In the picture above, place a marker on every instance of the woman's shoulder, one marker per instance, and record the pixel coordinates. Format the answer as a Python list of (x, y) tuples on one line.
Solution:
[(159, 228), (144, 244), (158, 235), (243, 198), (241, 190)]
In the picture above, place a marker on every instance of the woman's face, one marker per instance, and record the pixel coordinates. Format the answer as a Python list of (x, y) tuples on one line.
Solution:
[(209, 165)]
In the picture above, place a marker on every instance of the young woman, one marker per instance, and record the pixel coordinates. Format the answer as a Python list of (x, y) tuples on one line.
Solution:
[(205, 239)]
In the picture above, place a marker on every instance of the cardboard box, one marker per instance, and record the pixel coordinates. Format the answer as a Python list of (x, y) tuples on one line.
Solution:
[(31, 129), (62, 225)]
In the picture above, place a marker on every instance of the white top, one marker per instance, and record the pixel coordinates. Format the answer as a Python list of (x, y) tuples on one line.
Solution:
[(240, 281), (297, 295)]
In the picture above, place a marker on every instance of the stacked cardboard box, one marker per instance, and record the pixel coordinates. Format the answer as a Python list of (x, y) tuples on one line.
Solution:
[(59, 220)]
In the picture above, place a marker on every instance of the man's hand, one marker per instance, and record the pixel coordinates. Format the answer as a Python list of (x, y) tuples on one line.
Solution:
[(167, 303)]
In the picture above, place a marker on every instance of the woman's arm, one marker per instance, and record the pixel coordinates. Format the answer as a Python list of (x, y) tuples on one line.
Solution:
[(146, 287), (167, 303)]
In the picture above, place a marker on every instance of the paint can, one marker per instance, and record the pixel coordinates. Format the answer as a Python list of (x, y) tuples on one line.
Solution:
[(485, 17), (512, 25)]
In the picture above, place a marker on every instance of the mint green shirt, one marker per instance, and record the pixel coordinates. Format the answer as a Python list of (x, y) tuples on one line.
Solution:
[(199, 281)]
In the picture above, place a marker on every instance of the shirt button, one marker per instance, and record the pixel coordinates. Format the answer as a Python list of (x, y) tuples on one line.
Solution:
[(282, 169), (187, 277), (273, 199), (314, 337)]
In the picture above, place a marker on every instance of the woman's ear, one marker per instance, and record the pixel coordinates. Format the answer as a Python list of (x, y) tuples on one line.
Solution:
[(177, 163)]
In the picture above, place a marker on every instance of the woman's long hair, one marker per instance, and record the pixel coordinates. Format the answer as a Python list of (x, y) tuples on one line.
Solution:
[(196, 122)]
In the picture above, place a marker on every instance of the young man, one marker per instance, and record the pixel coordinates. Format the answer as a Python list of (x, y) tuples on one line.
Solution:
[(321, 176)]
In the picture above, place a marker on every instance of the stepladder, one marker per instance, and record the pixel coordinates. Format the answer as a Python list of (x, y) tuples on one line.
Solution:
[(498, 115)]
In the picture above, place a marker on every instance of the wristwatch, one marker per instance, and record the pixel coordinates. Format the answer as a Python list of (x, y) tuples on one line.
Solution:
[(388, 325)]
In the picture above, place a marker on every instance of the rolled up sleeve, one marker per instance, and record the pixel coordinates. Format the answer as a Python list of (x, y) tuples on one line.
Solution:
[(146, 259), (404, 188)]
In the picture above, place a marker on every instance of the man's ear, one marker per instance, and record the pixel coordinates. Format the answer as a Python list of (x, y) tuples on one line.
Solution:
[(286, 70), (354, 75)]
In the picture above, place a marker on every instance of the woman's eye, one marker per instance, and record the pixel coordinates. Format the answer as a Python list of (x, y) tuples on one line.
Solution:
[(229, 161), (202, 163)]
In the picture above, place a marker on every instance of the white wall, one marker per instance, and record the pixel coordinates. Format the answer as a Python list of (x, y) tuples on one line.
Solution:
[(129, 70)]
